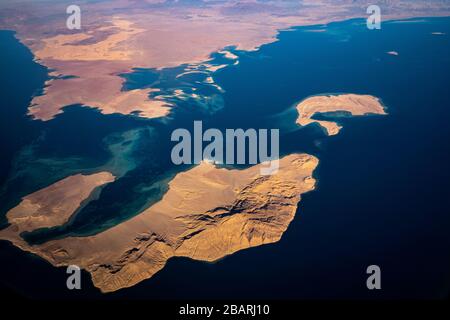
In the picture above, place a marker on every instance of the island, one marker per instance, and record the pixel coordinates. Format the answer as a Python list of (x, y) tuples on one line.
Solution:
[(354, 104), (86, 66), (207, 214)]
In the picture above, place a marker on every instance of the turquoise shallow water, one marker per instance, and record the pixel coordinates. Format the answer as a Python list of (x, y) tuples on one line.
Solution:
[(383, 181)]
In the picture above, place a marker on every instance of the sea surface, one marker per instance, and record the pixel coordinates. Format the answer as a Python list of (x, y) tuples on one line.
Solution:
[(383, 183)]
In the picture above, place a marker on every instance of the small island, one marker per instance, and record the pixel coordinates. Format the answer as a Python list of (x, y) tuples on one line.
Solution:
[(356, 105), (392, 53)]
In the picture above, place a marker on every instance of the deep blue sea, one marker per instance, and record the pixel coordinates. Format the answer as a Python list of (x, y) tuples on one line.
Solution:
[(383, 182)]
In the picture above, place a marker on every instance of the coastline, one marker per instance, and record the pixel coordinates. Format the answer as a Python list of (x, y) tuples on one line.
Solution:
[(315, 171)]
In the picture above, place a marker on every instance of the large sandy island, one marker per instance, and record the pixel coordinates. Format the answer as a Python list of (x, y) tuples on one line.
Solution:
[(206, 214), (356, 105)]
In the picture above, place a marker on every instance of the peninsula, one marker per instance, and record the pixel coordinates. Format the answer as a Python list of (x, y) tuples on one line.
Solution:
[(54, 205), (86, 66)]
